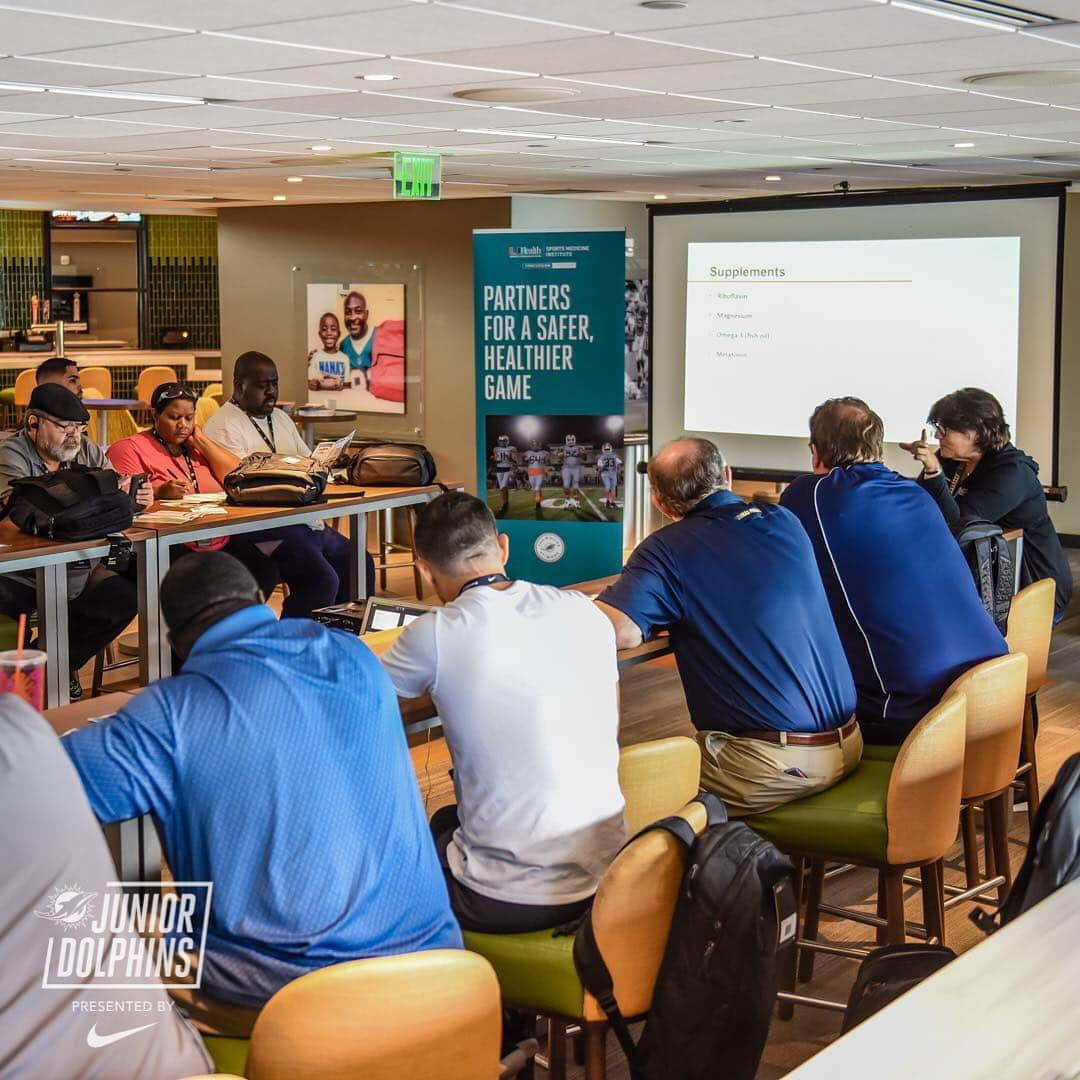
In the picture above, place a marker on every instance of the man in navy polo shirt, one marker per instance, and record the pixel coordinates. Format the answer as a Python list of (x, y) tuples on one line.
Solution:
[(762, 666), (902, 595)]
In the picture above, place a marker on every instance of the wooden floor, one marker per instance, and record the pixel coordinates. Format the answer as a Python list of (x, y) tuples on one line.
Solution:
[(653, 706)]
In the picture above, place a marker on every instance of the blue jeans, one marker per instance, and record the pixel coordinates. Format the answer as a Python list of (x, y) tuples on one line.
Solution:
[(314, 565)]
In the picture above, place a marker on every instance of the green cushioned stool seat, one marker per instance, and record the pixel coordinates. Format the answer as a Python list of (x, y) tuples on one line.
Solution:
[(230, 1054), (847, 821), (535, 970), (877, 752), (7, 397)]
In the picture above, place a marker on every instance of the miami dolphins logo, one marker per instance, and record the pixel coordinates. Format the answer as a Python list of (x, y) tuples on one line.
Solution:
[(68, 905)]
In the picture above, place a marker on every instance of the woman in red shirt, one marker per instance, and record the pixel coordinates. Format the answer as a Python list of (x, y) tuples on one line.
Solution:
[(180, 460)]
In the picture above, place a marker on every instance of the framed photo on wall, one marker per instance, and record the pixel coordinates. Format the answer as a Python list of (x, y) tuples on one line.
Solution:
[(356, 346)]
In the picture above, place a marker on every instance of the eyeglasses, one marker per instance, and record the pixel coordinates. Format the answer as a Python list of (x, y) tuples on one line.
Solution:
[(68, 427), (940, 431)]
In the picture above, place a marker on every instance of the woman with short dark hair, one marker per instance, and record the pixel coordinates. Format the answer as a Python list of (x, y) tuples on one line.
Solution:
[(978, 473)]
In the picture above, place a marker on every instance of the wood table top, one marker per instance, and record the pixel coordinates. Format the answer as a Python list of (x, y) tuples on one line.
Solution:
[(110, 404), (65, 718), (15, 544)]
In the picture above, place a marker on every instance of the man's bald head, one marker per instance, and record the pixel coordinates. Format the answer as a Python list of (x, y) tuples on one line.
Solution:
[(845, 431), (684, 472)]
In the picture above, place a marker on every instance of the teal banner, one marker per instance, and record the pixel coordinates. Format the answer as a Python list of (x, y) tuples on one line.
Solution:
[(550, 312)]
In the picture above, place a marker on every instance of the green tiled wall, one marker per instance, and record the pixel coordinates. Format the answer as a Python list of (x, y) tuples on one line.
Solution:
[(182, 279), (22, 265)]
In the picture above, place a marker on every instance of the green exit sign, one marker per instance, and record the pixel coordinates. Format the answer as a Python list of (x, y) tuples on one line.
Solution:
[(417, 176)]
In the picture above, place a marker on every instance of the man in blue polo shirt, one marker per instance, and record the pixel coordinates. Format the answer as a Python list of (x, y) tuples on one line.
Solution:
[(762, 666), (276, 766), (902, 595)]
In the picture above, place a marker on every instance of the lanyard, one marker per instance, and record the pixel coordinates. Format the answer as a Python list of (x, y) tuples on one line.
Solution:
[(268, 439), (190, 467), (484, 579)]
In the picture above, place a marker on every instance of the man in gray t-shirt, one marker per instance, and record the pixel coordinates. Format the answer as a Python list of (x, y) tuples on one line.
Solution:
[(55, 861)]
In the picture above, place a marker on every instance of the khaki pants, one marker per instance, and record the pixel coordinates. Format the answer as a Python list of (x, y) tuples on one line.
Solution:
[(752, 775)]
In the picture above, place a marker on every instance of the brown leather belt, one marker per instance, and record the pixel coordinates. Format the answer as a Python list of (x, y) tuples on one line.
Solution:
[(805, 738)]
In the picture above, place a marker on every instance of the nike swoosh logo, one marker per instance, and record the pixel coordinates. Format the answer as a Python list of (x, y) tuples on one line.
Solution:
[(97, 1041)]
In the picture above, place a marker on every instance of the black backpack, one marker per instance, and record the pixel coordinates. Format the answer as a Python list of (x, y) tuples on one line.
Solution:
[(987, 552), (392, 465), (889, 972), (716, 987), (71, 504), (1053, 856), (264, 479)]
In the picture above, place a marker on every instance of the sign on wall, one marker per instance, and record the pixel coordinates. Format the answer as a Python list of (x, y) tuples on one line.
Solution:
[(549, 310), (417, 176), (356, 346)]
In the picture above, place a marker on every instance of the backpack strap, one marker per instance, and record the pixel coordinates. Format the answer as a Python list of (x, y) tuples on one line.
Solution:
[(596, 978), (589, 961)]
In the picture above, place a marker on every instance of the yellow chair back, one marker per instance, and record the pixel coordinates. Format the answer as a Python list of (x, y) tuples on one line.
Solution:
[(24, 387), (205, 407), (657, 779), (922, 804), (216, 391), (150, 379), (96, 378), (422, 1016), (995, 691), (1031, 622)]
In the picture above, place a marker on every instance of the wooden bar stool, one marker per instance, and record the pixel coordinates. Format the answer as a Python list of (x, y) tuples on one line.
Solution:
[(996, 692), (1031, 623), (387, 547), (889, 815)]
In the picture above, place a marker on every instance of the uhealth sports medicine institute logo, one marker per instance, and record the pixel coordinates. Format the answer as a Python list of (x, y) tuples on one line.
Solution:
[(129, 940)]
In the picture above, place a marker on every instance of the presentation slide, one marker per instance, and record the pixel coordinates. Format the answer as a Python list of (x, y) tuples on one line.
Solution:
[(774, 328)]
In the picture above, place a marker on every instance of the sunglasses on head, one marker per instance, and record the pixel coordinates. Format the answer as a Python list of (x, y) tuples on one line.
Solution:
[(173, 392)]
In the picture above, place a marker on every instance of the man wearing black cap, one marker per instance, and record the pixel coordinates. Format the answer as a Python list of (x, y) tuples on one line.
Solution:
[(276, 766), (101, 602)]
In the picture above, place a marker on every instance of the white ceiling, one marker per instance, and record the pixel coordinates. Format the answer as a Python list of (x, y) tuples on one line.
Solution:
[(698, 102)]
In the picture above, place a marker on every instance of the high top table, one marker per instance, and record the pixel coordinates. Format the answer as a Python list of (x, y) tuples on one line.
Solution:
[(343, 500), (50, 559)]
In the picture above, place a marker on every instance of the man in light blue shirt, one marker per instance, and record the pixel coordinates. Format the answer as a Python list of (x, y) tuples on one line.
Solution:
[(275, 765)]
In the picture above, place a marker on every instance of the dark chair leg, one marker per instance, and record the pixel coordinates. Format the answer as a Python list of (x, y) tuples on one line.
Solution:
[(894, 906), (988, 841), (933, 900), (99, 673), (595, 1051), (810, 926), (556, 1049), (971, 846), (1027, 757), (997, 815), (418, 578), (879, 934), (785, 976)]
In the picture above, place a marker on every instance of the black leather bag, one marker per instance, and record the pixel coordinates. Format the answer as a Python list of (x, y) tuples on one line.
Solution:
[(276, 480), (392, 465), (72, 504)]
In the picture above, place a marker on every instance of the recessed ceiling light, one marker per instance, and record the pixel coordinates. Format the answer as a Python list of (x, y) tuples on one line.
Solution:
[(378, 76), (515, 95), (293, 180), (280, 198), (661, 195), (963, 145), (773, 179), (321, 148), (734, 120), (662, 5)]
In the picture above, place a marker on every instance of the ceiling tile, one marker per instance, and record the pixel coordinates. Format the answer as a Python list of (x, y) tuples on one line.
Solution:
[(861, 28), (412, 31), (197, 54)]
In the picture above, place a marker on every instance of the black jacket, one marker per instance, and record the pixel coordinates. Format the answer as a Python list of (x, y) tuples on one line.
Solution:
[(1004, 488)]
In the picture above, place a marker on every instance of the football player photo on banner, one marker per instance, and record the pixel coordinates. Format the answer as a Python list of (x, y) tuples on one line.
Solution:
[(550, 314), (356, 347)]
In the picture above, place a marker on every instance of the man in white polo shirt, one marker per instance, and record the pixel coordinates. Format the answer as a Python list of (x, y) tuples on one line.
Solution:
[(536, 768)]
